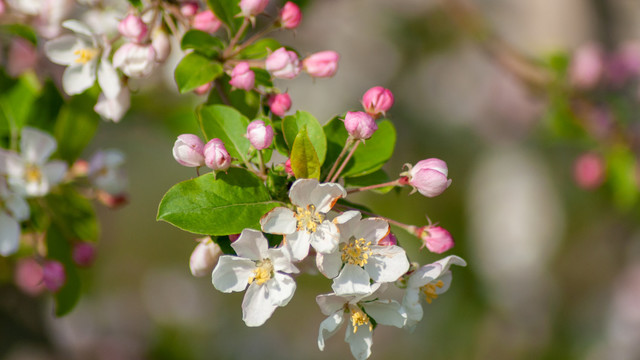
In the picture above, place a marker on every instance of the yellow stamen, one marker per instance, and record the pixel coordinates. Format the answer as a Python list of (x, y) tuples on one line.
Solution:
[(85, 55), (359, 318), (429, 290), (356, 252), (33, 174), (308, 218), (263, 273)]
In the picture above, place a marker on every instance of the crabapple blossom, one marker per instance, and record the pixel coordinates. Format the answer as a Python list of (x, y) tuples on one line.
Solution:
[(188, 150), (133, 28), (377, 100), (431, 280), (242, 77), (161, 44), (206, 21), (359, 258), (283, 63), (135, 60), (429, 177), (53, 275), (83, 254), (290, 15), (13, 210), (321, 64), (388, 240), (251, 8), (204, 257), (308, 225), (279, 104), (114, 108), (360, 125), (216, 156), (435, 238), (260, 135), (263, 270), (106, 171)]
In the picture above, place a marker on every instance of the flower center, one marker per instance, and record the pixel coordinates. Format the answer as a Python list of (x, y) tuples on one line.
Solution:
[(308, 218), (430, 289), (263, 273), (33, 174), (359, 318), (85, 55), (356, 252)]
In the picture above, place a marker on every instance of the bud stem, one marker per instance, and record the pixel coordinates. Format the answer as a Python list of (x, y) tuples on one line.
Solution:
[(262, 167), (335, 164), (346, 160), (236, 37), (397, 182)]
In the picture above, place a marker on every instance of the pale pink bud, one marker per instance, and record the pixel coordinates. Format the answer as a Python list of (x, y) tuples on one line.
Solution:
[(234, 237), (586, 67), (429, 177), (260, 135), (189, 8), (283, 64), (290, 15), (360, 125), (388, 240), (252, 7), (377, 100), (435, 238), (206, 21), (242, 77), (204, 257), (28, 276), (279, 104), (133, 28), (321, 64), (188, 150), (22, 57), (588, 171), (203, 89), (84, 254), (216, 155), (287, 167), (53, 275), (161, 44)]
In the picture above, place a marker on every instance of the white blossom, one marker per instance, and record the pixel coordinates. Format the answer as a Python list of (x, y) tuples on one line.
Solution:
[(113, 108), (106, 171), (13, 210)]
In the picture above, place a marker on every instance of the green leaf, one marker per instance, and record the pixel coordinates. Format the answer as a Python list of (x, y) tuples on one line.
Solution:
[(201, 42), (260, 49), (304, 160), (75, 127), (195, 70), (292, 124), (58, 248), (374, 178), (247, 102), (73, 214), (621, 173), (24, 31), (137, 4), (17, 102), (45, 109), (227, 124), (369, 157), (226, 11), (222, 206), (262, 77)]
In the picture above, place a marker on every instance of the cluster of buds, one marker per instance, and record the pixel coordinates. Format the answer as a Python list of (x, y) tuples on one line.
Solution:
[(190, 151)]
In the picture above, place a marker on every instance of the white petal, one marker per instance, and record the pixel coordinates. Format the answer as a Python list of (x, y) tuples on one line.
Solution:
[(298, 244), (114, 109), (78, 78), (387, 263), (18, 207), (62, 50), (78, 27), (301, 190), (347, 223), (232, 273), (386, 312), (325, 196), (108, 79), (251, 245), (280, 289), (430, 272), (411, 304), (281, 261), (446, 282), (359, 342), (36, 188), (54, 171), (9, 234), (36, 146), (330, 303), (372, 229), (328, 327), (325, 239), (279, 221), (352, 280), (256, 305), (329, 264)]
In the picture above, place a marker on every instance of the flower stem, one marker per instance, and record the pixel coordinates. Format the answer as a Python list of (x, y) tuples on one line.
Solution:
[(396, 182), (262, 167), (251, 39), (335, 164), (346, 160), (235, 39)]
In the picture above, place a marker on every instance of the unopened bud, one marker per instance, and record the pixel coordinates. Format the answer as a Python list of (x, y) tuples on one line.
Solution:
[(203, 89), (429, 177), (234, 237), (588, 171), (53, 275), (435, 238), (290, 16), (377, 100), (287, 167), (360, 125), (242, 77), (586, 66), (260, 135), (189, 8), (188, 150), (216, 156), (206, 21), (252, 7), (283, 63), (321, 64), (279, 104), (133, 28), (161, 44), (28, 276), (84, 254), (204, 257)]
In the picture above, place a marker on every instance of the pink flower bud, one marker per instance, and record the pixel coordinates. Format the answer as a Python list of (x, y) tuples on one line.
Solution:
[(260, 135), (206, 21), (287, 167), (216, 156), (435, 238), (53, 275), (203, 89), (586, 67), (429, 177), (321, 64), (188, 150), (252, 7), (28, 276), (377, 100), (388, 240), (161, 44), (133, 28), (290, 15), (84, 254), (189, 8), (279, 104), (234, 237), (588, 171), (242, 77), (283, 64), (360, 125), (204, 257)]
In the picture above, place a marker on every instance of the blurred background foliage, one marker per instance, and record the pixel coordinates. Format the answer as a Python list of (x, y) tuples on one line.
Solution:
[(554, 269)]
